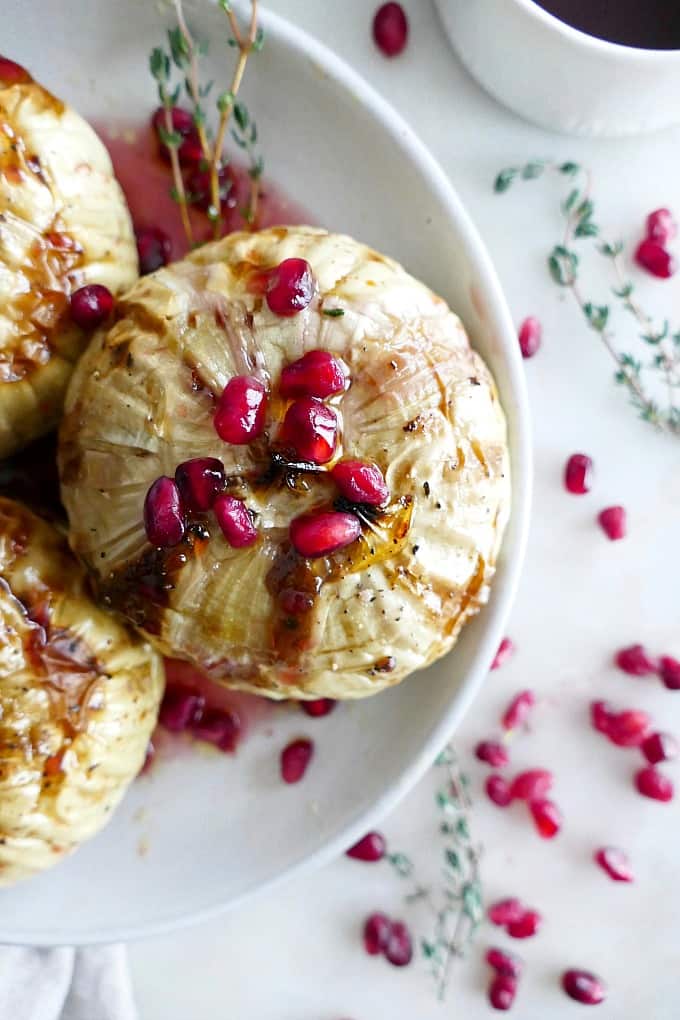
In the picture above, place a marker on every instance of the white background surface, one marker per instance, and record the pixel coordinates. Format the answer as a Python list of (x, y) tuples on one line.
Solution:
[(296, 954)]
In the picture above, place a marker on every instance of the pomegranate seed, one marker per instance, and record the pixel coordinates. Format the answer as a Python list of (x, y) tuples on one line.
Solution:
[(659, 747), (615, 863), (377, 930), (315, 374), (182, 121), (532, 784), (505, 912), (218, 727), (190, 151), (612, 520), (370, 848), (635, 660), (310, 429), (235, 521), (502, 992), (390, 29), (653, 784), (163, 514), (180, 708), (669, 670), (154, 249), (322, 533), (399, 948), (295, 758), (650, 255), (12, 73), (493, 753), (526, 926), (504, 963), (661, 226), (629, 727), (547, 817), (241, 410), (518, 710), (318, 708), (578, 474), (361, 483), (583, 986), (530, 337), (289, 287), (498, 790), (506, 650), (91, 305), (601, 713), (199, 185), (297, 603), (199, 481)]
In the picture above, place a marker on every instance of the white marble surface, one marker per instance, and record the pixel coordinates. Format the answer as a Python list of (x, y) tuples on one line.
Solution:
[(295, 955)]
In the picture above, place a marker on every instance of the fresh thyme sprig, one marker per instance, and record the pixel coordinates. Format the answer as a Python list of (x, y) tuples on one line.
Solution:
[(183, 55), (564, 263), (456, 907)]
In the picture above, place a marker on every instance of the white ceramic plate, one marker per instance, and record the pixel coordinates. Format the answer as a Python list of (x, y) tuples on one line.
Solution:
[(204, 831)]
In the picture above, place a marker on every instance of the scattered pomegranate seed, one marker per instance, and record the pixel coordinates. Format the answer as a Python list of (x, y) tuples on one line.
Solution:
[(601, 713), (583, 986), (504, 963), (502, 991), (399, 948), (241, 410), (163, 513), (659, 747), (615, 863), (319, 707), (578, 474), (506, 650), (669, 670), (493, 752), (661, 226), (498, 790), (530, 337), (517, 712), (310, 428), (295, 758), (377, 929), (322, 533), (315, 374), (547, 817), (526, 926), (12, 73), (612, 520), (532, 784), (629, 727), (154, 249), (635, 660), (361, 483), (653, 784), (370, 848), (650, 255), (199, 182), (180, 708), (289, 287), (235, 521), (218, 727), (390, 29), (91, 305), (505, 912), (199, 481)]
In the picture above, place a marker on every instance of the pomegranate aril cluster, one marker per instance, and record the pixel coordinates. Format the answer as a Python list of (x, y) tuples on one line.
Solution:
[(520, 922), (391, 939), (632, 727), (185, 710), (652, 253)]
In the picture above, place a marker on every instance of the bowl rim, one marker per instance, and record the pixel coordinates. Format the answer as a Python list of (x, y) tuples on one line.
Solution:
[(600, 47), (307, 47)]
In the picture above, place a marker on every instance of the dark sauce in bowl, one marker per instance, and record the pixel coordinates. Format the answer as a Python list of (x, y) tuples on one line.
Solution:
[(642, 24)]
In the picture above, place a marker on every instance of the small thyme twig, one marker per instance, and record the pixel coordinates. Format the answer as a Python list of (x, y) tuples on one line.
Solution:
[(192, 81), (563, 263)]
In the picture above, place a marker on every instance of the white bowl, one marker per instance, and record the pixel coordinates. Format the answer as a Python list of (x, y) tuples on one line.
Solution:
[(559, 77), (213, 828)]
